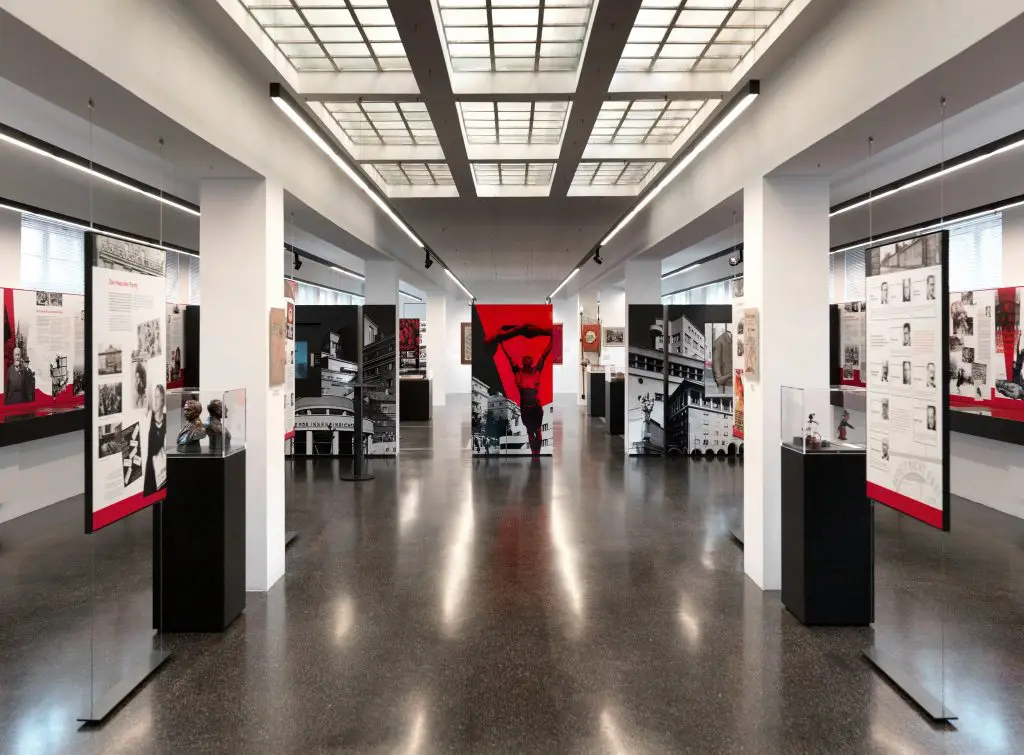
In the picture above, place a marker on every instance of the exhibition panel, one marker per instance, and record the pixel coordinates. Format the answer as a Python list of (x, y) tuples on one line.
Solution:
[(411, 348), (126, 370), (907, 337), (332, 343), (680, 387), (512, 373)]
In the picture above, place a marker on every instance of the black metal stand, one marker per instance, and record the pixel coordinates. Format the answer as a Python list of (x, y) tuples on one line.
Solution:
[(615, 413), (891, 669), (414, 400), (827, 560), (358, 475), (121, 691), (736, 533), (199, 544)]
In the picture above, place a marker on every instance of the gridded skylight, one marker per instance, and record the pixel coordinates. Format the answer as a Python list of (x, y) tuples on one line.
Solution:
[(384, 123), (513, 174), (696, 35), (514, 35), (414, 173), (643, 121), (614, 172), (514, 122), (332, 35)]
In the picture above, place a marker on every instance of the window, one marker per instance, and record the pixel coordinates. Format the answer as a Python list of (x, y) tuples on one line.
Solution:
[(975, 261), (182, 277), (52, 256), (309, 293)]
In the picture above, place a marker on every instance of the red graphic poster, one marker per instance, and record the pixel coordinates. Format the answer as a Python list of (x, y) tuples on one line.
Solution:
[(512, 380), (557, 339), (409, 347)]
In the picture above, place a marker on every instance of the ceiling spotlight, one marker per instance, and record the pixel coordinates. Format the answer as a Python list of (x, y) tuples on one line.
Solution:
[(736, 258), (428, 261), (597, 257), (297, 262)]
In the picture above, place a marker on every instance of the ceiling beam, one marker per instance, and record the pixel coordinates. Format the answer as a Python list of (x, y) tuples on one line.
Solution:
[(425, 50), (608, 34)]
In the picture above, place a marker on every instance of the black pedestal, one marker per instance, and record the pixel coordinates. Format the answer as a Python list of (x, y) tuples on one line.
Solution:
[(616, 410), (595, 395), (414, 400), (827, 558), (199, 544)]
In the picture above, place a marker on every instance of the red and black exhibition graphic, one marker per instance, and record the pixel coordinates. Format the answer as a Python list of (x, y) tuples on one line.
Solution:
[(513, 379)]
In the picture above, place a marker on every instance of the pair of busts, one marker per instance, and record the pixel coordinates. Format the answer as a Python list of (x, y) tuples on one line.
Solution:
[(194, 431)]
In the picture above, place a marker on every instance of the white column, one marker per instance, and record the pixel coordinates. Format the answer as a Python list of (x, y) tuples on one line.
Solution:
[(438, 346), (786, 241), (381, 285), (241, 235), (643, 282), (566, 310), (1013, 247), (10, 249)]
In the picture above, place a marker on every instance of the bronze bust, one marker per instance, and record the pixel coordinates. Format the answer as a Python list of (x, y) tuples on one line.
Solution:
[(193, 431), (220, 436)]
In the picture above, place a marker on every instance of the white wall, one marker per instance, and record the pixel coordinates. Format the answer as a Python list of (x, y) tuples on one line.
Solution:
[(10, 249), (567, 374), (1013, 247), (988, 472), (39, 473), (613, 314), (458, 377)]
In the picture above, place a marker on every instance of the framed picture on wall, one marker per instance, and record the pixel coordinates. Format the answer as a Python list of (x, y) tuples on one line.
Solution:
[(467, 343), (614, 336)]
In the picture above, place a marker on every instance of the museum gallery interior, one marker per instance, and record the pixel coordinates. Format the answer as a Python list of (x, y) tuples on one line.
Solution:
[(512, 376)]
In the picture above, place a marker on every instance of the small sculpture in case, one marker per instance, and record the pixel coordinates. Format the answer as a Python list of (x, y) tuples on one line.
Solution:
[(220, 436), (844, 424), (193, 431)]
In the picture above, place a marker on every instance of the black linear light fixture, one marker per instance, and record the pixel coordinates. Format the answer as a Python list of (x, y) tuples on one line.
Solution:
[(44, 149), (297, 115), (736, 107), (935, 224), (84, 225), (973, 157)]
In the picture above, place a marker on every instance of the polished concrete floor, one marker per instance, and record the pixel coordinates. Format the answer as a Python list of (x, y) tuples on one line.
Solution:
[(580, 604)]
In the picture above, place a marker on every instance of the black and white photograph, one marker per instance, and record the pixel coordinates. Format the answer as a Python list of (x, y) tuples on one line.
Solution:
[(979, 373), (42, 299), (967, 354), (139, 385), (955, 343), (851, 355), (118, 254), (614, 336), (847, 373), (930, 375), (110, 439), (131, 454), (109, 361), (883, 297), (110, 399), (884, 373), (885, 410), (906, 290), (149, 341), (906, 334), (885, 450), (906, 373), (929, 288), (931, 418), (967, 297)]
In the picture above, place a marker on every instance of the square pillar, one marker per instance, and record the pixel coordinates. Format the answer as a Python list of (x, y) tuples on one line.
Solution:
[(566, 311), (241, 235), (381, 286), (10, 249), (786, 243), (439, 347), (643, 282)]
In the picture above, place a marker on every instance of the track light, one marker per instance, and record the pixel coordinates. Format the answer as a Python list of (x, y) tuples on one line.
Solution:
[(458, 283), (349, 273), (736, 259), (597, 257), (297, 261), (428, 261)]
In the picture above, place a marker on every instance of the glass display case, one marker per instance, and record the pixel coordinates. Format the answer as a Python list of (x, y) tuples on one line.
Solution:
[(824, 420), (205, 423)]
